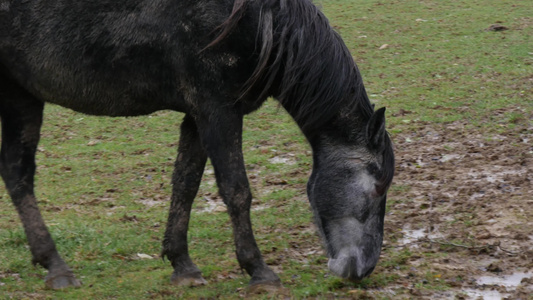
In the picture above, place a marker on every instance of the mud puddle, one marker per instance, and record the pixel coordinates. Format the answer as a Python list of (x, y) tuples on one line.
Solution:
[(491, 286)]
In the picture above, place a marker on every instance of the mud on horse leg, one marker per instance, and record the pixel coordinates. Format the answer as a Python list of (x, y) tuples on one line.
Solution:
[(21, 117), (221, 133), (188, 171)]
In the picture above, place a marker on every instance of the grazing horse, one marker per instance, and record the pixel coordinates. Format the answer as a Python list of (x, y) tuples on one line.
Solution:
[(215, 61)]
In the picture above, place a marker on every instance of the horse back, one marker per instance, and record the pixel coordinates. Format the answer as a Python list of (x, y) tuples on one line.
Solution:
[(120, 57)]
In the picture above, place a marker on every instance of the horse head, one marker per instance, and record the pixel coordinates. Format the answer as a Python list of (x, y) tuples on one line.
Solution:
[(352, 172)]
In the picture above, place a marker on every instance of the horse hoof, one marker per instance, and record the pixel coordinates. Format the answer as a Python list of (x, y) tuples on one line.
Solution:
[(191, 279), (61, 281)]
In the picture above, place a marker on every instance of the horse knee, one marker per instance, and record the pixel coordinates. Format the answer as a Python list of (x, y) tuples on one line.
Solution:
[(17, 175), (238, 201)]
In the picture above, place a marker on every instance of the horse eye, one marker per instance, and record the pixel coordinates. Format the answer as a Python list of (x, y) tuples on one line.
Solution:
[(373, 170)]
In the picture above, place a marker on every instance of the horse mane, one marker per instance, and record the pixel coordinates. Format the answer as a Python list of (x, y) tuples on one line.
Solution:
[(239, 7), (302, 61), (314, 69)]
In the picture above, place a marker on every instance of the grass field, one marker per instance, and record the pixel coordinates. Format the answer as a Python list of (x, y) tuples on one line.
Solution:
[(446, 79)]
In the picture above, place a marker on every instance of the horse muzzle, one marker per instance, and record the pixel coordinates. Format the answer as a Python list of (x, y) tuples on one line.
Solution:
[(351, 265)]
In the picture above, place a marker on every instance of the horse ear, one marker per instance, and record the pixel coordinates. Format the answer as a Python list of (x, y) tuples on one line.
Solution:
[(375, 129)]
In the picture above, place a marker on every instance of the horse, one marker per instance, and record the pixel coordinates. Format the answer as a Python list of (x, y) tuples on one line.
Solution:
[(214, 61)]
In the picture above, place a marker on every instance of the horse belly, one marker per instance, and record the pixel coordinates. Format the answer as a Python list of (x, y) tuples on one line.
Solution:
[(102, 62), (101, 95)]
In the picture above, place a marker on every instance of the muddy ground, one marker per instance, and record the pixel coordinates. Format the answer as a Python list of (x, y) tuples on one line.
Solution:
[(459, 224), (463, 208)]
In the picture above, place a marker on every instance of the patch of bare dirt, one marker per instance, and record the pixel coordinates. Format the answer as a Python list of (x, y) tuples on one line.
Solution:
[(462, 206), (459, 221)]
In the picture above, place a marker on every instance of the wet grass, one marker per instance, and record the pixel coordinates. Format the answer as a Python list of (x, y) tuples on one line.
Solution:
[(103, 183)]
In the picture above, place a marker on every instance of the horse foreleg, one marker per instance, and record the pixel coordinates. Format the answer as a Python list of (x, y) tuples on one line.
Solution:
[(21, 118), (188, 171), (221, 134)]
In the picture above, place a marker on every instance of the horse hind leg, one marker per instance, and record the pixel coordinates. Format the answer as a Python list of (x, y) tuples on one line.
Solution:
[(188, 171), (21, 117)]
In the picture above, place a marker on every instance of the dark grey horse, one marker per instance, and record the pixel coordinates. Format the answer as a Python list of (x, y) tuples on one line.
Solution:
[(215, 61)]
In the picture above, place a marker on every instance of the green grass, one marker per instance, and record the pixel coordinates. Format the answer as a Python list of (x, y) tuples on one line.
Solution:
[(103, 183)]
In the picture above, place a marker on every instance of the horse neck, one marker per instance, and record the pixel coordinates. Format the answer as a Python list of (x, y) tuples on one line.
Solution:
[(347, 126), (304, 64)]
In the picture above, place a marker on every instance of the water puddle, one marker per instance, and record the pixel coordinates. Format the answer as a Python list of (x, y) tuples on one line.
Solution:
[(493, 175), (411, 236), (210, 205), (485, 295), (151, 203), (510, 282), (215, 204), (287, 159), (448, 157)]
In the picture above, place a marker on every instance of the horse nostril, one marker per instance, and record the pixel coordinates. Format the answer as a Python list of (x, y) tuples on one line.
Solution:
[(349, 268), (346, 268)]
